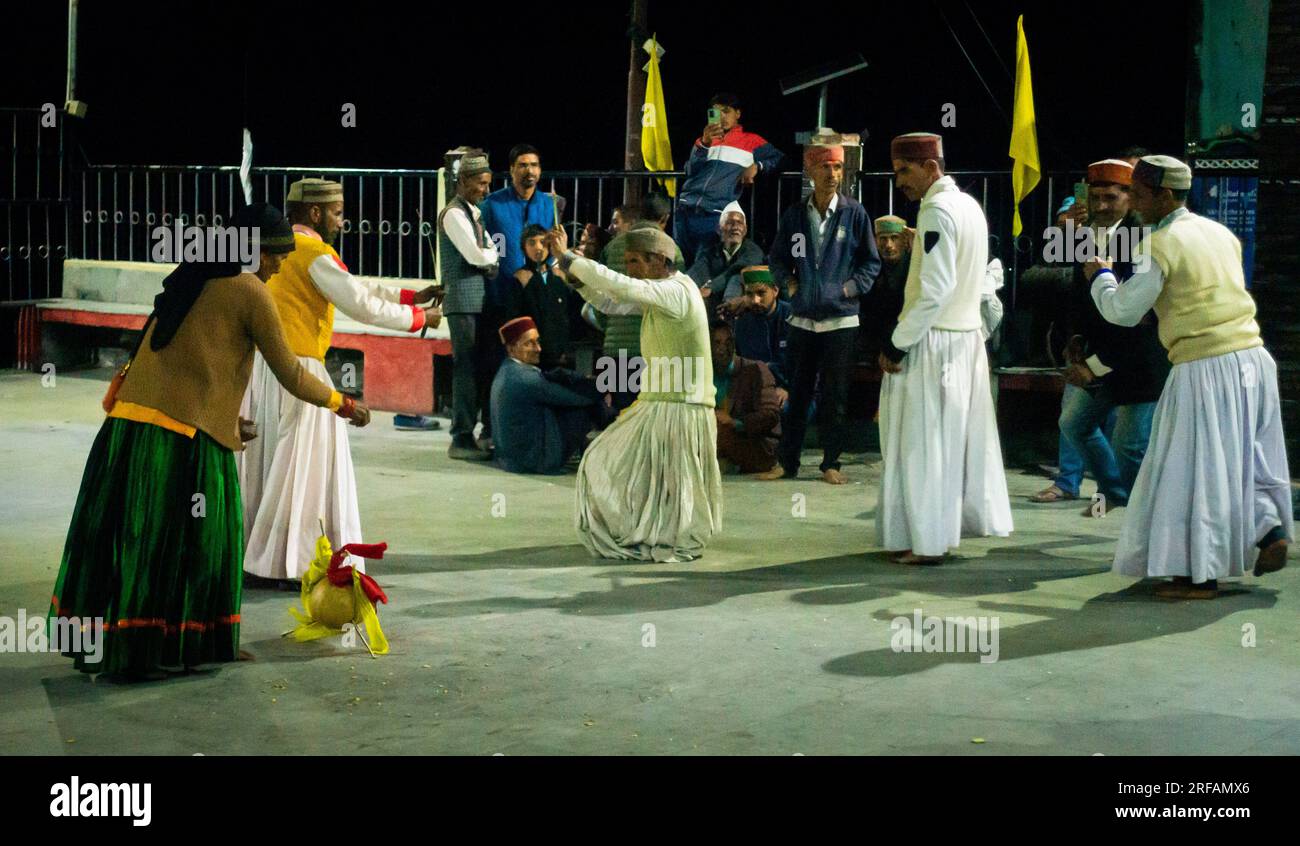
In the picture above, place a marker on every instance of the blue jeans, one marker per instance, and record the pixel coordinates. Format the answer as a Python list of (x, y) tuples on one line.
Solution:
[(694, 231), (1114, 463)]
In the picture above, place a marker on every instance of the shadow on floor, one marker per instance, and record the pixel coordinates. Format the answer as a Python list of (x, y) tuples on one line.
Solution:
[(835, 580), (1111, 619)]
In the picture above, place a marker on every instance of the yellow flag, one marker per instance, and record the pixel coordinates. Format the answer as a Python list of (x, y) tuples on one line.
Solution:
[(1025, 169), (655, 149)]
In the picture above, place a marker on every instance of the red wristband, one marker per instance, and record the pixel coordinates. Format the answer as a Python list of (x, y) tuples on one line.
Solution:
[(347, 407)]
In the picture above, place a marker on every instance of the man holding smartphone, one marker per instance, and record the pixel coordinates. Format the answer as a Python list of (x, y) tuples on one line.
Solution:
[(724, 159)]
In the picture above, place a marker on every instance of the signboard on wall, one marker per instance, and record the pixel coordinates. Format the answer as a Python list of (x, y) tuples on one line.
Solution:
[(1230, 200)]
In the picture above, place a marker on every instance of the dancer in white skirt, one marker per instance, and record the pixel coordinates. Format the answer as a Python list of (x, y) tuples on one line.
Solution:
[(298, 471), (943, 476), (1214, 490), (649, 488)]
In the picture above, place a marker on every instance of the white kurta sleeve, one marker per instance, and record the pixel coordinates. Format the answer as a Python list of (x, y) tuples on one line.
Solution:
[(353, 298), (606, 304), (668, 296), (990, 303), (388, 293), (1125, 304), (460, 230), (938, 276)]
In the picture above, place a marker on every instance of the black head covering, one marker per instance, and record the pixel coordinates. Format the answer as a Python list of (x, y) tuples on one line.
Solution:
[(183, 285)]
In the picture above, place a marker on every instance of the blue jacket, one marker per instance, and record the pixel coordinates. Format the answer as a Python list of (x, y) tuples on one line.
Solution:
[(762, 337), (849, 257), (526, 428), (504, 218), (713, 172)]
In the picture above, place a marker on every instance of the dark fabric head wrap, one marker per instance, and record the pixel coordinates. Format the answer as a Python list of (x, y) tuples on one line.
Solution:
[(182, 287)]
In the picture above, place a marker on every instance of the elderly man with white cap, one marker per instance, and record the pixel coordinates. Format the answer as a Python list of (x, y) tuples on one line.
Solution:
[(717, 267), (943, 477), (1214, 491), (299, 471), (649, 487)]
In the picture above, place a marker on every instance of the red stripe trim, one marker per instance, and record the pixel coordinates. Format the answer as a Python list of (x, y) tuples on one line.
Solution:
[(417, 318), (408, 296), (158, 622)]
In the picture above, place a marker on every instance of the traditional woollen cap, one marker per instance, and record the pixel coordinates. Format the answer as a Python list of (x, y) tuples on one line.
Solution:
[(474, 164), (1163, 172), (757, 274), (275, 235), (651, 239), (916, 145), (513, 330), (315, 191), (890, 225), (1113, 171)]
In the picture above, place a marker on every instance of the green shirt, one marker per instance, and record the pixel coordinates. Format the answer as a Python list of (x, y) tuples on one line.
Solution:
[(674, 329)]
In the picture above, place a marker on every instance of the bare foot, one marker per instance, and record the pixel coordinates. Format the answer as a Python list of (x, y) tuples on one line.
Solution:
[(1271, 558), (777, 472), (834, 477), (920, 560)]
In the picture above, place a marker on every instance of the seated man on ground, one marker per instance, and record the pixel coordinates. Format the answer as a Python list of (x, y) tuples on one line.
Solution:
[(543, 419), (748, 407)]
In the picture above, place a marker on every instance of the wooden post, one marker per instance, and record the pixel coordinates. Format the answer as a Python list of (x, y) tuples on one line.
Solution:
[(636, 79)]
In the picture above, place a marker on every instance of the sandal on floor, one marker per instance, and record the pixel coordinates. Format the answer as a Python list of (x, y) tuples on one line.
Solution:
[(1052, 494)]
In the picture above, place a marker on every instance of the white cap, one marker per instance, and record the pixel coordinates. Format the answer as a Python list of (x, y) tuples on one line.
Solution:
[(733, 206)]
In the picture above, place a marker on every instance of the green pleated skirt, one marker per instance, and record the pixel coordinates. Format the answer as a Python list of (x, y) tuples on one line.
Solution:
[(155, 550)]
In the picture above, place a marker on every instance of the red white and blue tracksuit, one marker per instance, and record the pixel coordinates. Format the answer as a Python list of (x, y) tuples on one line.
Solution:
[(712, 181)]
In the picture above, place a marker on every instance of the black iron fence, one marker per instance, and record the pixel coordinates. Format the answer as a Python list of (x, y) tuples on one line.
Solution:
[(33, 204), (390, 214), (51, 208)]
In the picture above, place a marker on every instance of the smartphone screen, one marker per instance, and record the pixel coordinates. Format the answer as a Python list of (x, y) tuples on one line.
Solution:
[(1081, 192), (715, 116)]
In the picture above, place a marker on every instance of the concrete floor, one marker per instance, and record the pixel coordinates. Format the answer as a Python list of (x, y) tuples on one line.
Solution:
[(508, 639)]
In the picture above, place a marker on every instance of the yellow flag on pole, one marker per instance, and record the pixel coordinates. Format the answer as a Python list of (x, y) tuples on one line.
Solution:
[(656, 151), (1025, 169)]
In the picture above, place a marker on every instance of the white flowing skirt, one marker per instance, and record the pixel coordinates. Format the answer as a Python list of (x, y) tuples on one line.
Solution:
[(294, 474), (1215, 479), (943, 477), (649, 488)]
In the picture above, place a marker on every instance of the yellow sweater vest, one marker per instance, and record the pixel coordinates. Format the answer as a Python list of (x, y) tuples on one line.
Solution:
[(305, 314), (1204, 308)]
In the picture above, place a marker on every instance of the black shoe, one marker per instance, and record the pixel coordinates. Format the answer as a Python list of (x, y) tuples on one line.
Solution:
[(468, 453)]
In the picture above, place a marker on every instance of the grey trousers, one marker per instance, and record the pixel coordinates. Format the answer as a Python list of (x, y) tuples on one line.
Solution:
[(469, 380)]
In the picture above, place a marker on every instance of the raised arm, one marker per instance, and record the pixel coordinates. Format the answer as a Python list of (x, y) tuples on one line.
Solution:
[(1125, 304), (356, 300)]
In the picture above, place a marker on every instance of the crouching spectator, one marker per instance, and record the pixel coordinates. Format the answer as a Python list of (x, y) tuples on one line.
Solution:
[(536, 291), (541, 420), (748, 407), (762, 321)]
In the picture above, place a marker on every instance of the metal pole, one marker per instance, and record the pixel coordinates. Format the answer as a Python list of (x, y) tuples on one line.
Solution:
[(822, 96), (636, 80), (72, 49)]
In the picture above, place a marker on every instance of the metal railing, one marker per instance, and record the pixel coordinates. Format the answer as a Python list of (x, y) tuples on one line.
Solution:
[(390, 214), (33, 208)]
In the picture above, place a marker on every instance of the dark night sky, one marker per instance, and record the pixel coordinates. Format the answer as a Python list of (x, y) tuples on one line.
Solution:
[(173, 83)]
